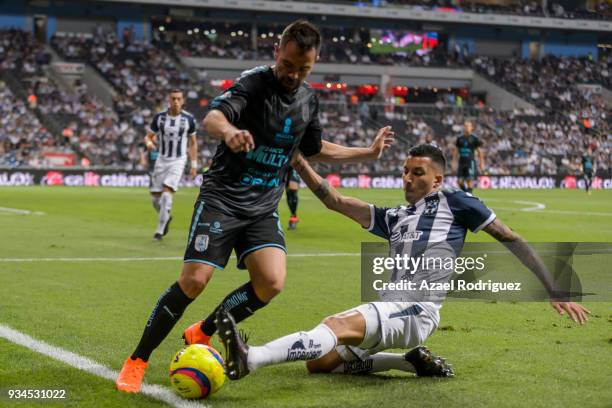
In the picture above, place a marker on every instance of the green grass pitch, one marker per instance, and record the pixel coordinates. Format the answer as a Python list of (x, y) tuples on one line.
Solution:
[(505, 354)]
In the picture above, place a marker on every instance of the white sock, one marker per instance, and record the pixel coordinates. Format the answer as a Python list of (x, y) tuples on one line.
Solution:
[(375, 363), (155, 200), (165, 208), (297, 346)]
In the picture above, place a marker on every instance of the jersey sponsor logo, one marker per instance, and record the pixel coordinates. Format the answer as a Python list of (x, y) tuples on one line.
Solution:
[(249, 180), (408, 236), (358, 366), (270, 156), (413, 310), (298, 351), (236, 299), (216, 228), (201, 243)]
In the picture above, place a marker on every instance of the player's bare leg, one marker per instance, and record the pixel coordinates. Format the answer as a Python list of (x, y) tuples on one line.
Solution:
[(167, 311), (319, 346), (155, 197), (165, 213), (267, 269)]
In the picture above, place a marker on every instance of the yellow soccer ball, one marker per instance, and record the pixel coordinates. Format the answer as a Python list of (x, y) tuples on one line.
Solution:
[(197, 371)]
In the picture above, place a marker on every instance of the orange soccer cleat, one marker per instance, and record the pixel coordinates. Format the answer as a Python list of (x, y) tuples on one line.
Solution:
[(293, 222), (131, 375), (194, 335)]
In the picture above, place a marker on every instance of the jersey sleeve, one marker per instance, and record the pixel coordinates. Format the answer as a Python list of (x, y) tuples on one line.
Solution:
[(469, 211), (192, 126), (379, 225), (311, 141), (233, 101), (457, 141), (154, 127), (477, 142)]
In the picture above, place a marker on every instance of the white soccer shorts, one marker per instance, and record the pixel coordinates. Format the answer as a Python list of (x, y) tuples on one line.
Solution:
[(167, 173), (389, 325)]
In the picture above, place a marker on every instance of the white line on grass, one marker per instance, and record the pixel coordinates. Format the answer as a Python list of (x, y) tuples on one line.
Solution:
[(536, 206), (85, 364), (168, 258), (7, 211)]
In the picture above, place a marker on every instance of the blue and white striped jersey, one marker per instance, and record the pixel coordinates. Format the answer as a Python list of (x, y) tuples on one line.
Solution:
[(172, 133), (433, 227)]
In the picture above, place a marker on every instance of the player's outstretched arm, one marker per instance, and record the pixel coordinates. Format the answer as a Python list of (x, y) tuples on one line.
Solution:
[(335, 153), (523, 251), (238, 140), (351, 207)]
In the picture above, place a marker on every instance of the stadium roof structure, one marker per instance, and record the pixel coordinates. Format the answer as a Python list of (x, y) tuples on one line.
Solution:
[(394, 13)]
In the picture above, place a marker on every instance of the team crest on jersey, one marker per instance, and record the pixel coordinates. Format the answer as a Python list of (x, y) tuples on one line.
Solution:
[(431, 207), (201, 243)]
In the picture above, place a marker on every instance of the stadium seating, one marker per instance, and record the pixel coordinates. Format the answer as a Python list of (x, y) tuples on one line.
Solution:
[(143, 73), (601, 10)]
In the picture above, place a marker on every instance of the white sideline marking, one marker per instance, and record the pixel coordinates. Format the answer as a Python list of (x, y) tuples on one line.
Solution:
[(6, 211), (168, 258), (85, 364), (536, 206), (533, 205)]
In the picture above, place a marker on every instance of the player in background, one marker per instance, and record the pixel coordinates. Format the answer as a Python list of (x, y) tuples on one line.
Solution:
[(430, 139), (148, 159), (588, 168), (293, 185), (172, 134), (434, 225), (467, 147), (260, 122)]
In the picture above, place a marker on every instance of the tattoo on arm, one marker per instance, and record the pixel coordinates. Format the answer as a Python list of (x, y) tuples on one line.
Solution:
[(323, 191), (523, 251), (501, 232)]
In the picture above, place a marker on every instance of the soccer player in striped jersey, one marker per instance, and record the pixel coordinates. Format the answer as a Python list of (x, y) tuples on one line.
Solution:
[(433, 225), (173, 134)]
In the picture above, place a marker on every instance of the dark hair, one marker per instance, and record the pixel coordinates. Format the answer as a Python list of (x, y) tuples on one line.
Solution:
[(305, 34), (431, 151), (174, 90)]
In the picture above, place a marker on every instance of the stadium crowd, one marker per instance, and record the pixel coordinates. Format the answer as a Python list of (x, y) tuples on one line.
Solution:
[(550, 83), (143, 74), (514, 143), (601, 10), (230, 40), (23, 140)]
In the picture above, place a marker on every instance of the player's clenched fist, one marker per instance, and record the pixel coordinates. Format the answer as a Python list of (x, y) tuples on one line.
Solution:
[(239, 141)]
